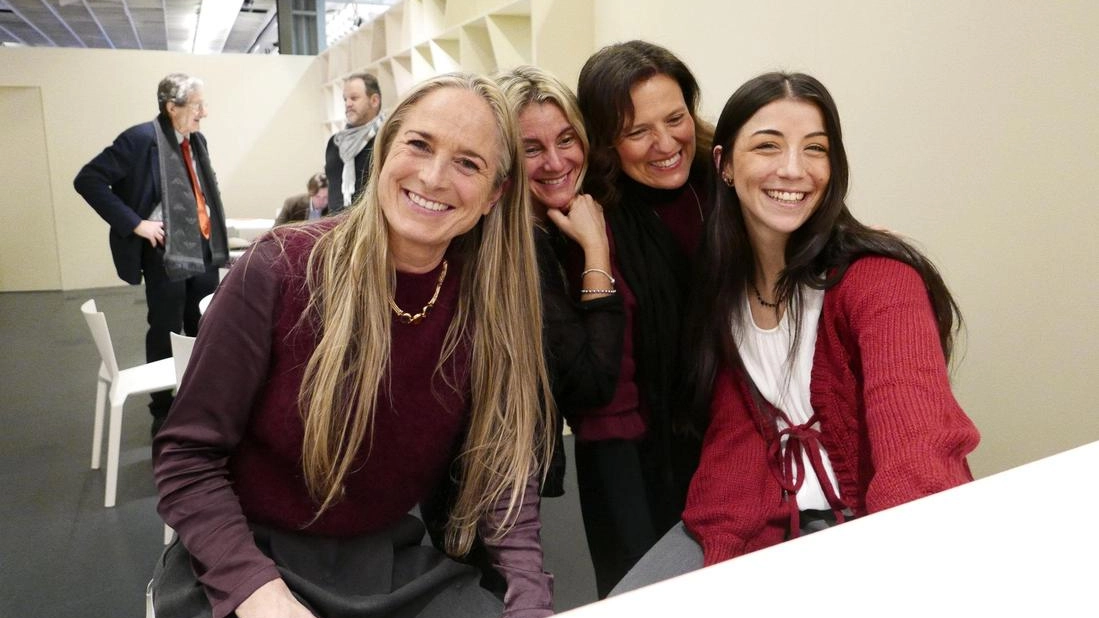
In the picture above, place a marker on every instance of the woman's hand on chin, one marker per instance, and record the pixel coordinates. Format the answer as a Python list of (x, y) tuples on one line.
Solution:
[(272, 600), (582, 221)]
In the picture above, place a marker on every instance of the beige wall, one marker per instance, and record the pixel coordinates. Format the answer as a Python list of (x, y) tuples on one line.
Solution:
[(562, 36), (28, 252), (265, 131), (971, 127)]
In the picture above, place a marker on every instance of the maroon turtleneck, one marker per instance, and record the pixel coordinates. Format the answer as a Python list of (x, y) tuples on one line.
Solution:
[(230, 451)]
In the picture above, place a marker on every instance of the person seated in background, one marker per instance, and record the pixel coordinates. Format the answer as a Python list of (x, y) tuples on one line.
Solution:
[(583, 328), (307, 206), (358, 366), (821, 346)]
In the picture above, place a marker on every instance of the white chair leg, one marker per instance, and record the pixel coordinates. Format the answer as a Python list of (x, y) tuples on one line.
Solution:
[(168, 532), (149, 600), (114, 445), (97, 429)]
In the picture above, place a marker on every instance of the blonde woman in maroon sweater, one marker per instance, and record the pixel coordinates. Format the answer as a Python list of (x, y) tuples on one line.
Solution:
[(351, 369), (821, 345)]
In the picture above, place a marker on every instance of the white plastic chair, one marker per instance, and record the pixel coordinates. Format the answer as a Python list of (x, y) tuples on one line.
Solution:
[(114, 386), (181, 355), (203, 303), (149, 613)]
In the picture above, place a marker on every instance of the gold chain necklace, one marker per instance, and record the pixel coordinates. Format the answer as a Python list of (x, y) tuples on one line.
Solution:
[(406, 317)]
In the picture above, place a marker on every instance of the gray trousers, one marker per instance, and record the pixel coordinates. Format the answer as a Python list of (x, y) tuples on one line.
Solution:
[(677, 553), (674, 554)]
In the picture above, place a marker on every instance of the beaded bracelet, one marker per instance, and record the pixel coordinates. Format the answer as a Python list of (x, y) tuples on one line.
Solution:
[(600, 271), (587, 291)]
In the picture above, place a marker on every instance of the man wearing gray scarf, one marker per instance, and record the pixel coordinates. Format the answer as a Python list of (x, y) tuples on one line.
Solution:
[(347, 158)]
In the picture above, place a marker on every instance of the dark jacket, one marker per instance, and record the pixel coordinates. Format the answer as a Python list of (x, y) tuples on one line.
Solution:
[(122, 184), (333, 168), (296, 208), (583, 347)]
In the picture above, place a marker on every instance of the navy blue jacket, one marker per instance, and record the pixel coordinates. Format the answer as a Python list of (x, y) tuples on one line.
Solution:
[(122, 184)]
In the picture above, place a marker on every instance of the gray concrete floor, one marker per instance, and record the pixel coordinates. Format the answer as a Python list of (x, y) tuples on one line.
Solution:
[(63, 554)]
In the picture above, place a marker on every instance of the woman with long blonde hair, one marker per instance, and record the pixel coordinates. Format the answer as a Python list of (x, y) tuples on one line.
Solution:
[(583, 327), (352, 369)]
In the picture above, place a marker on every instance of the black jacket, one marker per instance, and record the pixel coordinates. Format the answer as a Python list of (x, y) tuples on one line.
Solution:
[(333, 169), (122, 184)]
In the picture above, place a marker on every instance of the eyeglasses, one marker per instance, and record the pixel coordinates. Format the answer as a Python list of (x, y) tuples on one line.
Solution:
[(198, 106)]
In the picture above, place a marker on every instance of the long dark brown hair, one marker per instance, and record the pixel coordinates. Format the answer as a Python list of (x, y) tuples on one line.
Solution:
[(603, 92), (817, 254)]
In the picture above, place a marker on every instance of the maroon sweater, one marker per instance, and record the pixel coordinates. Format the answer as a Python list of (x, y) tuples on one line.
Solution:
[(626, 416), (888, 420), (230, 452)]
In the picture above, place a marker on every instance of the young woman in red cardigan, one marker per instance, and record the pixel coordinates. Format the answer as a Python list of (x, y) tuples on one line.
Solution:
[(821, 346)]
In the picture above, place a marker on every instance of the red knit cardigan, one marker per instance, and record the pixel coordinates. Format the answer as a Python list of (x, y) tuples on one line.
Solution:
[(881, 392)]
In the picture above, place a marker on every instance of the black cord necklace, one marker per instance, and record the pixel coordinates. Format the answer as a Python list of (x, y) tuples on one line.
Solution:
[(759, 297)]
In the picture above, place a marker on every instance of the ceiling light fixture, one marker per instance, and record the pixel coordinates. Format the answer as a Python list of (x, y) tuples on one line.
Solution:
[(343, 18), (215, 21)]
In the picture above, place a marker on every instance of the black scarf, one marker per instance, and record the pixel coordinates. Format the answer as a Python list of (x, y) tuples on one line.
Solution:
[(658, 272), (183, 242)]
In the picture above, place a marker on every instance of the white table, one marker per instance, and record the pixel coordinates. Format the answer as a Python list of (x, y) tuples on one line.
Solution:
[(248, 229), (243, 232), (1019, 543)]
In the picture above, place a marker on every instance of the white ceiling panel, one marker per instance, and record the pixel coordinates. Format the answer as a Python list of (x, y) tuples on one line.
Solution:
[(150, 24)]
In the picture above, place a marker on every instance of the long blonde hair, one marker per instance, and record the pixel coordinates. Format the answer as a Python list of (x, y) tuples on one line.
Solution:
[(351, 279), (525, 85)]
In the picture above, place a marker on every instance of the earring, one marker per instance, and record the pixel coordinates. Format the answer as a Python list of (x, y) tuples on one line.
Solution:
[(728, 181)]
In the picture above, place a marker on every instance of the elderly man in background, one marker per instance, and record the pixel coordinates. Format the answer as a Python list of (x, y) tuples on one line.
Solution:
[(349, 152), (307, 206), (156, 188)]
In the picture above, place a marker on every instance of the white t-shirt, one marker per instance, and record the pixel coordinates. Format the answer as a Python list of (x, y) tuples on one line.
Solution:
[(786, 385)]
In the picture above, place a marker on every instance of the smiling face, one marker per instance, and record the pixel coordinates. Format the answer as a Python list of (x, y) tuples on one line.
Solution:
[(553, 155), (187, 117), (779, 167), (438, 179), (657, 146)]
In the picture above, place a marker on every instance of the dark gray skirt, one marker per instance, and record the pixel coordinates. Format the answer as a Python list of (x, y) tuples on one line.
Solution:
[(386, 574)]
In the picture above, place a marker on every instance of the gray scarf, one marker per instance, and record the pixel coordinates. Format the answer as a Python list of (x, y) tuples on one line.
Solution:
[(350, 142), (182, 238)]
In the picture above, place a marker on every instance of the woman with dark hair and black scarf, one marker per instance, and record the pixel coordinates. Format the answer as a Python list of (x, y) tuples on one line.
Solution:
[(648, 167)]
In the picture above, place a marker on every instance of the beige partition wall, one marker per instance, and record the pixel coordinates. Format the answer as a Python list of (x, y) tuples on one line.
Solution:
[(264, 128), (417, 39), (28, 253), (971, 127)]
